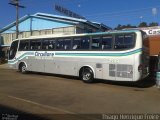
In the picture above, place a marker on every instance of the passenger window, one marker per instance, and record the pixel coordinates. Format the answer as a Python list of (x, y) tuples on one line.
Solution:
[(81, 43), (24, 45), (119, 42), (96, 43), (51, 44), (129, 40), (107, 42), (76, 43), (45, 44), (67, 44), (35, 45), (59, 44), (124, 41), (85, 43)]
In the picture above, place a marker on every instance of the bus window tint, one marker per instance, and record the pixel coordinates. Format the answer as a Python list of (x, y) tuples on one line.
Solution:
[(51, 44), (81, 43), (35, 44), (76, 43), (45, 44), (24, 45), (107, 42), (67, 44), (13, 50), (96, 43), (85, 43), (59, 45), (124, 41), (119, 42), (129, 40)]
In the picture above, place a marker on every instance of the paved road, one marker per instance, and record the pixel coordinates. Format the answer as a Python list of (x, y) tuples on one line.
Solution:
[(52, 96)]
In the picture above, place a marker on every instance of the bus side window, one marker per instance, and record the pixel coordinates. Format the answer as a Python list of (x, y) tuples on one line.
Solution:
[(32, 45), (38, 44), (76, 43), (85, 42), (81, 43), (24, 45), (51, 44), (124, 41), (35, 45), (96, 43), (59, 44), (119, 42), (107, 42), (129, 40), (45, 44), (67, 44)]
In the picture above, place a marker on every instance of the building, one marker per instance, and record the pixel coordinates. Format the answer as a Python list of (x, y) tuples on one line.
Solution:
[(42, 24), (151, 30)]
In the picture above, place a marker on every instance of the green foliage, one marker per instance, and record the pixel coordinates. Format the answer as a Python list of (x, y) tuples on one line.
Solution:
[(142, 24), (153, 24), (120, 27)]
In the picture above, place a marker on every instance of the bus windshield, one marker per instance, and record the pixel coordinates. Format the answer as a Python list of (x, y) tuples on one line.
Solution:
[(13, 50)]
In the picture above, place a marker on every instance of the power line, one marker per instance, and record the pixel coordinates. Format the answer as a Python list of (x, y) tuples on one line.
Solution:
[(125, 11), (123, 15), (121, 12), (119, 15)]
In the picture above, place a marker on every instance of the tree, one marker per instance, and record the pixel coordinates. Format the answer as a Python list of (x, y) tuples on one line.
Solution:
[(153, 24), (130, 26), (120, 27), (143, 24)]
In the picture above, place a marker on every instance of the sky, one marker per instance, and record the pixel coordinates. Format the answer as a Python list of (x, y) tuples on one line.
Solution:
[(108, 12)]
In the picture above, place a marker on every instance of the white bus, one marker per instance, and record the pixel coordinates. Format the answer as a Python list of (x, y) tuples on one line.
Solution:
[(114, 55)]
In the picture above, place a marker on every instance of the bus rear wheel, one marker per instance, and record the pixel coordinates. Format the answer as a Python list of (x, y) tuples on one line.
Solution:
[(23, 68), (86, 74)]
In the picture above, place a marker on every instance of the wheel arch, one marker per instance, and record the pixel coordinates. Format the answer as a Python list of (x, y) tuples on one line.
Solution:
[(86, 66)]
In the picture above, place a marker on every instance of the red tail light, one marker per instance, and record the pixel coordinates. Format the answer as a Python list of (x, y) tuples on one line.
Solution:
[(140, 67)]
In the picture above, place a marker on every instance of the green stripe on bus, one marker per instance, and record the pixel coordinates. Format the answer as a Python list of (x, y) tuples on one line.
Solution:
[(99, 54), (20, 58), (78, 54)]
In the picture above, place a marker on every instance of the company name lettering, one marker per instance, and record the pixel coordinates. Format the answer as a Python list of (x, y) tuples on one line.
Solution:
[(153, 32), (43, 54)]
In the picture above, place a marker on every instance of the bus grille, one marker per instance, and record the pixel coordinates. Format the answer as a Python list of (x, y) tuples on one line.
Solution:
[(121, 70)]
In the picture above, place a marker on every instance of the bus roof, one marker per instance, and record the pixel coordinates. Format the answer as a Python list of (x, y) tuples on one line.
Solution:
[(79, 35)]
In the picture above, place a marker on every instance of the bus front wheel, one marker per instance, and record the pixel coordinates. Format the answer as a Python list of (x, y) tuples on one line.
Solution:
[(86, 74)]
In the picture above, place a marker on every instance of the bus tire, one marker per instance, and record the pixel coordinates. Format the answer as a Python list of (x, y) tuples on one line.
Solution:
[(23, 68), (86, 75)]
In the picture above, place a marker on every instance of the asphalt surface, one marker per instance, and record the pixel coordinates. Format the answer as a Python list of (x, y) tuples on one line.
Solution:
[(46, 96)]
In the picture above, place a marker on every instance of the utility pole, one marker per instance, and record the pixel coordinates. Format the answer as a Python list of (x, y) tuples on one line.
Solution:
[(17, 5)]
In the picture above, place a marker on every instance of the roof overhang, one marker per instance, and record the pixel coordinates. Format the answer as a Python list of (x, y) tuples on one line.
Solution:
[(64, 19)]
